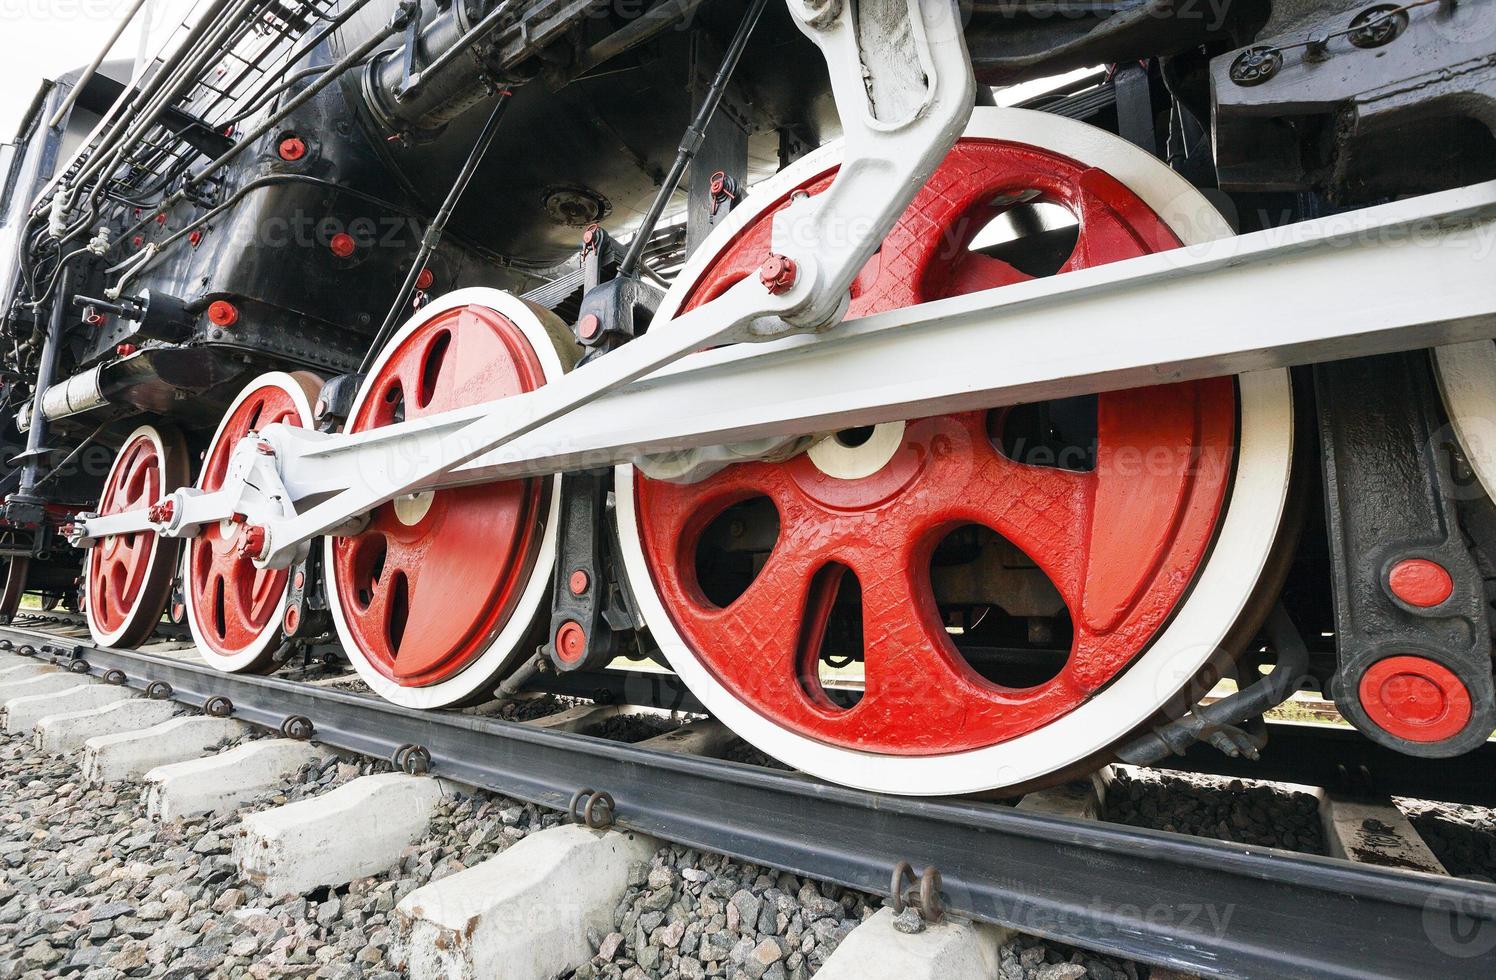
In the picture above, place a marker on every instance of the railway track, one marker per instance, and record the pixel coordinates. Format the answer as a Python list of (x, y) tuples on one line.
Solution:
[(1048, 866)]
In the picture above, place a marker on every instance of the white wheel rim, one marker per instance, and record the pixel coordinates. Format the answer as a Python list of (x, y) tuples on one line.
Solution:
[(104, 637), (1223, 586), (482, 669), (271, 633), (1467, 384)]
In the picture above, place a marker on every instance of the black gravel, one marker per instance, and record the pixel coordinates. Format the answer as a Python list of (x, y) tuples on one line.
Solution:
[(1463, 838), (1241, 811), (633, 728)]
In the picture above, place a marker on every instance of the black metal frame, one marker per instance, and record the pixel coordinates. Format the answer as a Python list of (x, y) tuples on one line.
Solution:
[(1230, 910)]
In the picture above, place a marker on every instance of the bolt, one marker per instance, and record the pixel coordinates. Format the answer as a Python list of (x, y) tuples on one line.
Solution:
[(222, 313), (291, 149), (778, 274), (342, 245), (571, 642), (125, 350), (195, 238), (579, 582), (252, 543), (589, 326), (425, 279)]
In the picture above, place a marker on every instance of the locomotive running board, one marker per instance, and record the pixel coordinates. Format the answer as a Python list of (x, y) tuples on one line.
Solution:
[(1219, 909)]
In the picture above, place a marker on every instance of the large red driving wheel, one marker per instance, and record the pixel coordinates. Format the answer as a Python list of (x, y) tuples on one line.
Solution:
[(128, 576), (233, 608), (434, 597), (1123, 541)]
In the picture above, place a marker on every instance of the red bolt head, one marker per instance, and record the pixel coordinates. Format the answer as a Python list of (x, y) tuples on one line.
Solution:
[(589, 326), (300, 580), (160, 219), (291, 149), (778, 274), (137, 241), (160, 512), (252, 542), (589, 234), (222, 313), (342, 245), (1420, 582), (125, 350), (571, 642), (579, 582), (293, 618), (425, 280), (195, 238)]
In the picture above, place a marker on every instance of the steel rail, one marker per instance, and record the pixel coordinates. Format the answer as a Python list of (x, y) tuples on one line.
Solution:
[(1229, 910)]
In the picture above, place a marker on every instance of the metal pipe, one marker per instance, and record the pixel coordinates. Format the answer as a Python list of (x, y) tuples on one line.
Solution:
[(438, 224), (46, 370), (691, 142), (645, 27), (93, 66)]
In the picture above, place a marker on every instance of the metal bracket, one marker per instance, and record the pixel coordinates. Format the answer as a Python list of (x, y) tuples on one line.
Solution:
[(1389, 502)]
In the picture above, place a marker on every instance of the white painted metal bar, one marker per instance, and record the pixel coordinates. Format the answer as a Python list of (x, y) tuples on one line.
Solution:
[(1414, 273)]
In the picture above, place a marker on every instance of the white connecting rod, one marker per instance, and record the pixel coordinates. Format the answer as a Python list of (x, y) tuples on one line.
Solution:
[(1405, 275)]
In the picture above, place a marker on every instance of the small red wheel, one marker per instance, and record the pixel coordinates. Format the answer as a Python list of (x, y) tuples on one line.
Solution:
[(844, 544), (436, 598), (128, 576), (233, 608)]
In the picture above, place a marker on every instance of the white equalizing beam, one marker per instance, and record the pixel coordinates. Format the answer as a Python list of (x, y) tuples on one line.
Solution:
[(948, 950), (358, 829), (127, 755), (22, 714), (523, 915), (67, 732), (1409, 274), (221, 783)]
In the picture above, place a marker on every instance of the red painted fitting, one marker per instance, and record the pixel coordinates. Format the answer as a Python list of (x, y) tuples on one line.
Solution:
[(161, 219), (342, 245), (301, 580), (252, 542), (137, 241), (160, 512), (778, 274), (1420, 582), (291, 148), (293, 618), (579, 582), (425, 280), (237, 518), (222, 313), (195, 238), (125, 350), (589, 326), (1415, 698), (571, 642), (94, 319), (264, 448)]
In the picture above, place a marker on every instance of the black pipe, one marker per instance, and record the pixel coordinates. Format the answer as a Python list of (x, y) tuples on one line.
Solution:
[(438, 224), (691, 142), (46, 370)]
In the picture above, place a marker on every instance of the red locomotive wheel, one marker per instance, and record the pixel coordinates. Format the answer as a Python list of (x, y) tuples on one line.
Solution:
[(16, 570), (1123, 539), (434, 596), (128, 576), (233, 608)]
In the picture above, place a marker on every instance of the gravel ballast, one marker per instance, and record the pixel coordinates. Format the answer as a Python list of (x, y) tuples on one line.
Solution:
[(1241, 811)]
